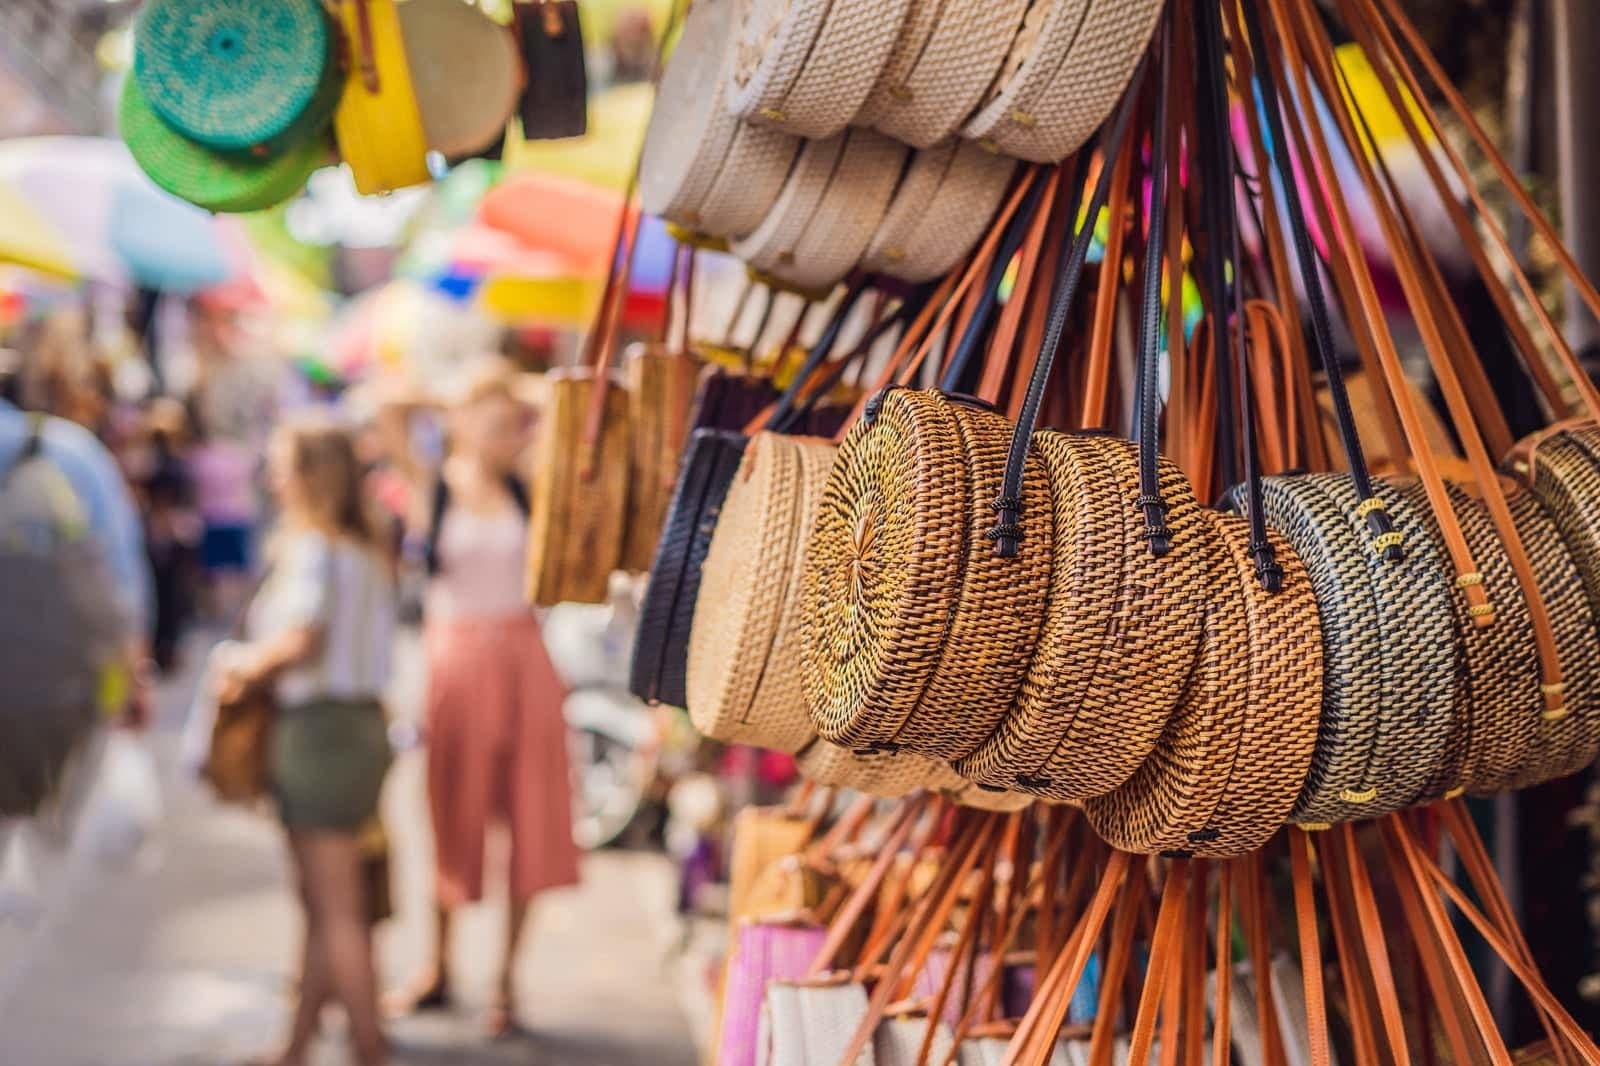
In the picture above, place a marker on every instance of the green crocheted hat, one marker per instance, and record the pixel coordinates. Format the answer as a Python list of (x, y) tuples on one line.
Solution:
[(213, 180), (239, 75)]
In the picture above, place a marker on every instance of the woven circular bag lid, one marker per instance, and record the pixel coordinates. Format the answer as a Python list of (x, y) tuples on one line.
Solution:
[(1048, 121), (465, 72), (1034, 61), (379, 128), (807, 66), (772, 243), (831, 240), (208, 179), (960, 58), (941, 209), (237, 75)]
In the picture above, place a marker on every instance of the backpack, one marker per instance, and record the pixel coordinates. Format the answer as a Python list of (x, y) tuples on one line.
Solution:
[(59, 628)]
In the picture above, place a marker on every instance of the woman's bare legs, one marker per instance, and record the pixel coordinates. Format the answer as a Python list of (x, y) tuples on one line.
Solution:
[(500, 1019), (430, 989), (340, 939)]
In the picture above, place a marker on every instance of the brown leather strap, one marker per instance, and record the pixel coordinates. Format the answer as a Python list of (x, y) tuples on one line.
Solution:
[(1370, 924), (849, 916), (1193, 1002), (1352, 966), (366, 52), (1222, 1009), (1259, 943), (1117, 964), (1305, 909), (1169, 926), (1003, 355), (964, 954), (1097, 374)]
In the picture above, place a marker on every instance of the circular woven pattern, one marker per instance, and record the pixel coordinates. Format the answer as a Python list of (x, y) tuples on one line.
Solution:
[(1051, 123), (851, 49), (732, 644), (940, 211), (465, 72), (915, 633), (1155, 641), (1085, 499), (748, 184), (847, 216), (1174, 792), (1034, 64), (1389, 653), (1282, 706), (959, 62), (1552, 520), (237, 75), (916, 29), (1500, 698), (772, 244), (772, 40), (212, 180), (876, 774)]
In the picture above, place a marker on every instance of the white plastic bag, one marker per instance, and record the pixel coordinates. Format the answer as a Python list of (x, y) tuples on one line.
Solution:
[(19, 883), (123, 807)]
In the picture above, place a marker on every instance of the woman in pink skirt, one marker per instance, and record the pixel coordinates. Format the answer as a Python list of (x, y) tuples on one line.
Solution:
[(497, 742)]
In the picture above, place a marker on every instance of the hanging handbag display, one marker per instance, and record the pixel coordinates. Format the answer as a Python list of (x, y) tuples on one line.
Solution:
[(378, 123), (465, 74), (555, 99)]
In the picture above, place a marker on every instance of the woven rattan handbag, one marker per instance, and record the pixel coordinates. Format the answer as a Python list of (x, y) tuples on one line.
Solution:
[(806, 67), (465, 72), (940, 211), (704, 168)]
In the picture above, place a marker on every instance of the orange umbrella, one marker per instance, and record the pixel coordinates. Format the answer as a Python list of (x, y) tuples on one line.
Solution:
[(571, 219)]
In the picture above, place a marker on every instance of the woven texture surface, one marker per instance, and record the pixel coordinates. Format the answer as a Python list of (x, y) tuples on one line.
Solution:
[(1175, 791), (465, 71), (1500, 698), (575, 524), (210, 179), (851, 49), (771, 245), (1053, 120), (1035, 62), (916, 30), (690, 130), (960, 61), (940, 211), (1283, 705), (660, 390), (237, 75), (748, 183), (847, 216), (876, 774), (772, 42), (1389, 648)]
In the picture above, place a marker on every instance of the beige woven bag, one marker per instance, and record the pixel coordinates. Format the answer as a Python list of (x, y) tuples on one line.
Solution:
[(744, 649), (807, 66), (825, 218), (1047, 120), (875, 773), (661, 387), (942, 208), (938, 75), (702, 167)]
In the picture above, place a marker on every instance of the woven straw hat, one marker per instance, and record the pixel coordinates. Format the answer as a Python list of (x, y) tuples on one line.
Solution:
[(824, 219), (807, 66), (237, 75), (744, 662), (936, 79), (876, 774), (701, 166), (212, 180), (1389, 648), (915, 633), (1047, 120), (465, 71), (942, 208)]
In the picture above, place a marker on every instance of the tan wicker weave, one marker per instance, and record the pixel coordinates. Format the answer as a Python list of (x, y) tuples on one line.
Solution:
[(941, 210), (1034, 63), (915, 633), (575, 526), (744, 668), (702, 167), (876, 774), (661, 386), (959, 61), (1053, 121), (772, 244)]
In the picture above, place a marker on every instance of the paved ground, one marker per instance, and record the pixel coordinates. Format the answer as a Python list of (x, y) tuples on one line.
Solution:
[(188, 963)]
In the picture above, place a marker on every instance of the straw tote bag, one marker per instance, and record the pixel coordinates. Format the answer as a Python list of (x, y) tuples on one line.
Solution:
[(236, 77), (763, 952), (704, 168), (465, 72), (947, 58), (830, 207), (378, 123), (944, 203), (806, 67)]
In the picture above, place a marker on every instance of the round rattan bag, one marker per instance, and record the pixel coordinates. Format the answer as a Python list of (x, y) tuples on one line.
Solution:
[(1121, 631), (875, 773), (915, 633), (1389, 649), (744, 655), (942, 208)]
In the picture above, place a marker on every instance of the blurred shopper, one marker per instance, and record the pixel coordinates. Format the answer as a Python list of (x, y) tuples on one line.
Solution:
[(224, 473), (172, 528), (320, 631), (497, 741)]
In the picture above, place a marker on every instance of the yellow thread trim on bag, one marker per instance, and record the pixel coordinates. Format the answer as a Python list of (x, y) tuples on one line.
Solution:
[(1350, 796), (1556, 715), (1025, 119), (900, 92), (988, 144), (1482, 610), (1316, 827), (1459, 790), (772, 114), (896, 254), (1466, 581), (1553, 690), (1368, 505), (1388, 540)]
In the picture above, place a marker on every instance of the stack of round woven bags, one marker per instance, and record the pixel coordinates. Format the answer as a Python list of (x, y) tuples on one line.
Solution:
[(815, 138)]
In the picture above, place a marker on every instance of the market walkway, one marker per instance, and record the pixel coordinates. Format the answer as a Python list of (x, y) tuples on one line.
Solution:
[(188, 964)]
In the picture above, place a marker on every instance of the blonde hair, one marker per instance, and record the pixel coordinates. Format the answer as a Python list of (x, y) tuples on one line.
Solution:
[(323, 459)]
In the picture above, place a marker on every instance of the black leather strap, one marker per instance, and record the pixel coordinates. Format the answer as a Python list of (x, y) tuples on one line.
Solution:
[(786, 413), (1008, 528), (1147, 417), (1305, 254)]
